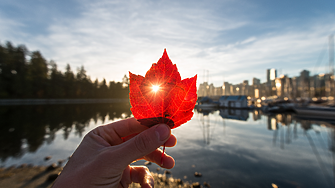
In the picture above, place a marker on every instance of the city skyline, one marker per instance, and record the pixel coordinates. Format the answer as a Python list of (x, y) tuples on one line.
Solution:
[(305, 85), (230, 39)]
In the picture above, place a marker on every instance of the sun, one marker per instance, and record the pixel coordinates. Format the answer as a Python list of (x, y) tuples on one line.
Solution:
[(155, 88)]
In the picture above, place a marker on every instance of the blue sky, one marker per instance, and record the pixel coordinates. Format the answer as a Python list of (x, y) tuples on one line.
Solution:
[(234, 40)]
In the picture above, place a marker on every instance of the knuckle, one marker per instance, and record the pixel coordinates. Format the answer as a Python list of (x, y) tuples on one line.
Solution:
[(144, 169), (142, 143)]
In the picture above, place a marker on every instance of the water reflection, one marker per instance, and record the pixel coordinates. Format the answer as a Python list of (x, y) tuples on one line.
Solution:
[(237, 114), (231, 148), (285, 128), (205, 123), (25, 128), (274, 121)]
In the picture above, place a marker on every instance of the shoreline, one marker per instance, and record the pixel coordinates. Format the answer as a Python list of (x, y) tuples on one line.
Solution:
[(43, 177), (7, 102)]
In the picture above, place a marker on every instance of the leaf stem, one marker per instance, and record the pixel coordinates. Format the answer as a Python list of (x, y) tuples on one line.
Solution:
[(162, 155)]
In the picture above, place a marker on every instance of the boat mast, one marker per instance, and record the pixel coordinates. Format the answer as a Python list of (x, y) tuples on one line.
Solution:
[(331, 63), (331, 54)]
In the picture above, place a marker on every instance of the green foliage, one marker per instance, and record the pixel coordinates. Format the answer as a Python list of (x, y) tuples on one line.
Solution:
[(35, 77)]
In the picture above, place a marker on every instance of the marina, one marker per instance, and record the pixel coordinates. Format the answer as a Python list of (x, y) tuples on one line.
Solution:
[(229, 147)]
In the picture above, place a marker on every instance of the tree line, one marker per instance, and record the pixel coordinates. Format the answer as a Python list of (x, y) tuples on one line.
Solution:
[(25, 74), (40, 123)]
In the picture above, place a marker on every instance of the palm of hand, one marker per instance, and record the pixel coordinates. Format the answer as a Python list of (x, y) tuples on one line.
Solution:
[(103, 157)]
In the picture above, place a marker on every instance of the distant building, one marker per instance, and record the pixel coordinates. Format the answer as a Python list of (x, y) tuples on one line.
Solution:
[(226, 88), (211, 90), (329, 85), (295, 86), (245, 88), (284, 87), (203, 89), (218, 91), (279, 88), (256, 82), (271, 75), (304, 84), (287, 88), (268, 76), (264, 90)]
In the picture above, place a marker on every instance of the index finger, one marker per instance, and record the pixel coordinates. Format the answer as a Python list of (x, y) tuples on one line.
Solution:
[(113, 132), (125, 127)]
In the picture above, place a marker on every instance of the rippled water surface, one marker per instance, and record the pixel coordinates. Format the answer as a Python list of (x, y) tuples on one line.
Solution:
[(230, 148)]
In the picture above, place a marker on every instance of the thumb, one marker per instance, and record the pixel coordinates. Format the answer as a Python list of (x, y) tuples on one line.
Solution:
[(144, 143)]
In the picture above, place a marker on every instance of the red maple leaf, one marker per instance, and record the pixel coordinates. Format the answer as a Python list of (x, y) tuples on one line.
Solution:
[(161, 96)]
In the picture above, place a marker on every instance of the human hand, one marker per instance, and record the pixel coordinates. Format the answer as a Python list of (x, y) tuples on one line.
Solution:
[(102, 159)]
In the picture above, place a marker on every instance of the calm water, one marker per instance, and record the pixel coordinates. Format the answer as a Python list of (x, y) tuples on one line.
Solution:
[(231, 148)]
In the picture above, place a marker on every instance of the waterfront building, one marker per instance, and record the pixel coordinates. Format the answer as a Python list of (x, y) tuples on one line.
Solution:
[(279, 87), (245, 88), (226, 88), (295, 86), (235, 101), (284, 87), (304, 84), (211, 90), (203, 89), (271, 74), (320, 89), (329, 85), (256, 81), (312, 84), (256, 89), (265, 91), (232, 89), (218, 91), (208, 90), (288, 89)]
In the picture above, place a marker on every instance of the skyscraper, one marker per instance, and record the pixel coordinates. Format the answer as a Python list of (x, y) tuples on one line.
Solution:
[(271, 74)]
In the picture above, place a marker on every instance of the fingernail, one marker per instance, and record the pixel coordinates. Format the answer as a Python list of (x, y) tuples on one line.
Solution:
[(162, 132)]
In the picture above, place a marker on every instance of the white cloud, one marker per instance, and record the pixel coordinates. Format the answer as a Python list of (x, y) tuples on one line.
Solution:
[(111, 38), (249, 40), (8, 27), (291, 51)]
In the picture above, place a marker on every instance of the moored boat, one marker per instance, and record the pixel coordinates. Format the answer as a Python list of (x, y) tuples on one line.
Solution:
[(207, 105), (322, 112)]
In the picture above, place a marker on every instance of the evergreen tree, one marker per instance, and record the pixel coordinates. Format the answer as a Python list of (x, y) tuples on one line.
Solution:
[(103, 89), (38, 74), (56, 83), (69, 82), (81, 83), (20, 78)]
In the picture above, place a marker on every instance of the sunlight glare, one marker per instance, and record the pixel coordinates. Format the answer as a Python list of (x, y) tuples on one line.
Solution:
[(155, 88)]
